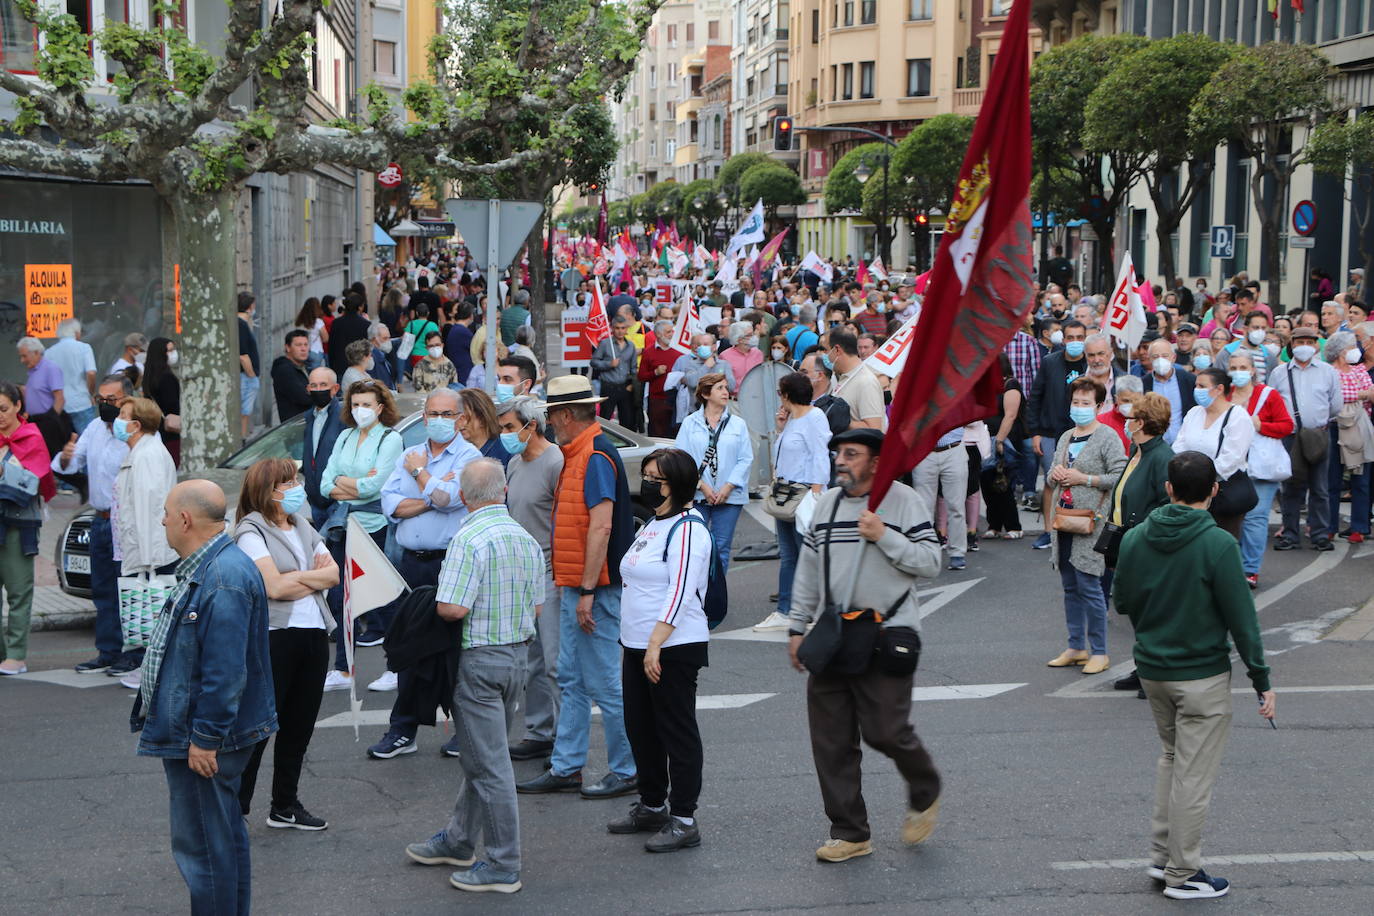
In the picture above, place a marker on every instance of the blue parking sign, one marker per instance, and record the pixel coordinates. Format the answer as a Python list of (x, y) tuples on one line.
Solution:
[(1224, 241)]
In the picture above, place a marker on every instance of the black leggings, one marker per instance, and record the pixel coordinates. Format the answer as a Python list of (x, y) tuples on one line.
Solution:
[(661, 723), (300, 658)]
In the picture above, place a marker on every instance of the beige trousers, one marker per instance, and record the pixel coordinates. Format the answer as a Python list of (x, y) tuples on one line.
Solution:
[(1193, 719)]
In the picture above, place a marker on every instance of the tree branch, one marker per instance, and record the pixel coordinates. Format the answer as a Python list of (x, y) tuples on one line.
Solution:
[(99, 164)]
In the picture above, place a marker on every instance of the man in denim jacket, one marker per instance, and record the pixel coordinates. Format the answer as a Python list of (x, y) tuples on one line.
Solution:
[(206, 697)]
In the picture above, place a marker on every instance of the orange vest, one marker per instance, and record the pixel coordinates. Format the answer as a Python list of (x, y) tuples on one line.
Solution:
[(571, 518)]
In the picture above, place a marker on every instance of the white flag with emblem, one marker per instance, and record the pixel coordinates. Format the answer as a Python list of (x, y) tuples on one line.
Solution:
[(1125, 315), (751, 230), (370, 582)]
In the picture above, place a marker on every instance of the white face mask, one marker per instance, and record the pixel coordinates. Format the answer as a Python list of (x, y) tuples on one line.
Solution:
[(778, 355), (173, 357), (1126, 409), (1304, 352), (1255, 338), (435, 352), (1352, 356), (1162, 366), (139, 358), (364, 417), (1057, 338), (369, 364)]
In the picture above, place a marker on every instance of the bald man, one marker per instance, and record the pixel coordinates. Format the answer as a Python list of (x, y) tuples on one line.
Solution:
[(206, 699)]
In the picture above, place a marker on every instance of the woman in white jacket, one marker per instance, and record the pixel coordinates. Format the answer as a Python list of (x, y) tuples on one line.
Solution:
[(141, 487)]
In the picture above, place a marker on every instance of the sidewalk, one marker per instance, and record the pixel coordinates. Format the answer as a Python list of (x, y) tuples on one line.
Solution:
[(54, 609)]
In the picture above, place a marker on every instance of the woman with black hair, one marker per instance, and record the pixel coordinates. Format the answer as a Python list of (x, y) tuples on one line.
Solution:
[(161, 385), (664, 633)]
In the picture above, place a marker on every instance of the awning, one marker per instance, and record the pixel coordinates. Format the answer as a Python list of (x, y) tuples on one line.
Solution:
[(379, 237), (405, 228)]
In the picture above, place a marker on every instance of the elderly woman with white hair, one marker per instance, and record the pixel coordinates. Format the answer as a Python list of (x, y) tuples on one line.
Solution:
[(744, 353), (1352, 438), (1126, 390)]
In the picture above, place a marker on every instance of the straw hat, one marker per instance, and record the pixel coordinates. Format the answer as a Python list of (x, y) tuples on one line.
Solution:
[(569, 389)]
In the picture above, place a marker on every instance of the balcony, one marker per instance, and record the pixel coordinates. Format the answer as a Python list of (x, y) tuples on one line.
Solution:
[(968, 101), (686, 154)]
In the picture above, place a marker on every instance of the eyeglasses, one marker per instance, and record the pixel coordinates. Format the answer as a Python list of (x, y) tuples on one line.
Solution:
[(113, 402), (442, 415), (650, 479)]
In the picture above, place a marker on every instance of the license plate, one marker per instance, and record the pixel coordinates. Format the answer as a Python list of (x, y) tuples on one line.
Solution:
[(75, 563)]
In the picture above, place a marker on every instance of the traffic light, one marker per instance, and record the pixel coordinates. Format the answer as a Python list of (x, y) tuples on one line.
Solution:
[(593, 187), (782, 134), (921, 219)]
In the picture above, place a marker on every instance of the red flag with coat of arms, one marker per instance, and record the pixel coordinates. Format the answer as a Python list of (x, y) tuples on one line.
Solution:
[(598, 325), (982, 283)]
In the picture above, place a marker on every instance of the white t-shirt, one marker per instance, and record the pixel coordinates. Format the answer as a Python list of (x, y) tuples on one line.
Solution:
[(672, 591), (316, 346), (305, 612)]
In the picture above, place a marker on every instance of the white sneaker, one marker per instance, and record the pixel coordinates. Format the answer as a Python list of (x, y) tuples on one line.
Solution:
[(773, 621), (133, 680), (384, 683), (337, 680)]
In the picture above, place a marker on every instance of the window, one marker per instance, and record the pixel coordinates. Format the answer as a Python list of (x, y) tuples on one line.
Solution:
[(815, 27), (670, 109), (868, 12), (669, 148), (331, 71), (672, 36), (765, 84), (921, 9), (764, 23), (848, 76), (18, 39), (749, 88), (992, 58), (918, 77), (848, 12), (384, 58), (866, 80), (653, 77), (716, 132), (999, 7), (653, 111), (713, 30), (653, 148), (672, 74), (691, 32)]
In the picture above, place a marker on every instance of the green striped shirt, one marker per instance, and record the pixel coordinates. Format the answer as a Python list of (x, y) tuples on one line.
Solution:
[(496, 570)]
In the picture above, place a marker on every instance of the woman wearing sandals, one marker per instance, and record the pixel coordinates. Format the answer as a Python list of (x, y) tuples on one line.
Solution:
[(1087, 463)]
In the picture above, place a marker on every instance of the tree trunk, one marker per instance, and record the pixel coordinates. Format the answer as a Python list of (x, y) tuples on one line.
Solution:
[(535, 246), (1271, 219), (200, 243), (1106, 258)]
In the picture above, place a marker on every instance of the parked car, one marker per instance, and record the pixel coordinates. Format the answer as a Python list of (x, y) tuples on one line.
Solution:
[(287, 440)]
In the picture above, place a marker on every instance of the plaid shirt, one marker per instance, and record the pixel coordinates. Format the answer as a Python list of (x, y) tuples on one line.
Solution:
[(1353, 381), (1024, 354), (496, 570), (157, 641)]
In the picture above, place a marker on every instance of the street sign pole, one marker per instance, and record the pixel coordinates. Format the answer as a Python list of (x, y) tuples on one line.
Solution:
[(493, 295)]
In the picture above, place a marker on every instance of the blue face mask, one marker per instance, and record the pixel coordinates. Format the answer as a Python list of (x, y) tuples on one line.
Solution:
[(1203, 396), (440, 429), (1074, 348), (120, 428), (1202, 361), (826, 361), (504, 392), (1081, 416), (703, 352), (292, 499), (1240, 378), (511, 443)]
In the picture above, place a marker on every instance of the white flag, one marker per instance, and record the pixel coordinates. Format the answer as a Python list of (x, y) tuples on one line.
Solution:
[(370, 582), (1125, 314), (751, 230), (728, 272), (753, 257), (688, 325), (813, 263), (889, 359), (878, 269)]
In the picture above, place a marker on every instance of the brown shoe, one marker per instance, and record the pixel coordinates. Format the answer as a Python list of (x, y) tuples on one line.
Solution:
[(1069, 657), (843, 850), (919, 825), (1097, 664)]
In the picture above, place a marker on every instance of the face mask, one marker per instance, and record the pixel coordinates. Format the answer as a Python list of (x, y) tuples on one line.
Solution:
[(1057, 338), (651, 496), (121, 429), (1162, 366), (292, 500), (1126, 409), (369, 364), (1074, 348), (880, 307), (139, 358), (364, 417), (1132, 430), (321, 399), (751, 342), (827, 361), (435, 352), (108, 412), (440, 429), (703, 352), (1353, 355), (1255, 338), (1241, 378), (778, 355), (512, 443), (1304, 352), (1202, 361), (1203, 396), (173, 357), (1082, 416)]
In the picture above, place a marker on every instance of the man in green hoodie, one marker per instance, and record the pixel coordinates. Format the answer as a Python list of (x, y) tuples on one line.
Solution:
[(1180, 581)]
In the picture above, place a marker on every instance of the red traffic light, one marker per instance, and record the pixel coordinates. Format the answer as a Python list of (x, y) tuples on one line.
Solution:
[(922, 218)]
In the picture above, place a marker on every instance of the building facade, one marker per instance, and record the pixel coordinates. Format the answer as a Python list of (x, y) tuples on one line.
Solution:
[(761, 66), (702, 142)]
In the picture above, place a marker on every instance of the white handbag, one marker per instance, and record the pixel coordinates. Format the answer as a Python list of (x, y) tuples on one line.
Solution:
[(1268, 459), (141, 598)]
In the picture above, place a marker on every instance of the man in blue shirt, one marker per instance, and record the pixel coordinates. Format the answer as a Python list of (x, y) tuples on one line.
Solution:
[(77, 362), (1169, 380), (803, 337), (421, 498)]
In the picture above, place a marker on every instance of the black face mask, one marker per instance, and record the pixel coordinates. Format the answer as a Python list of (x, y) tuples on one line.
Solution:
[(650, 494), (321, 399), (108, 412)]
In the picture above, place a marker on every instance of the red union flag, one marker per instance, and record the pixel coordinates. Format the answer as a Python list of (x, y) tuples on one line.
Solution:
[(1125, 316), (598, 325), (981, 285)]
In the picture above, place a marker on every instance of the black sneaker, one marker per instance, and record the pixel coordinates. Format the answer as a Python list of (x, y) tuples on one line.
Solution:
[(1323, 544), (392, 745), (95, 665), (640, 819), (531, 749), (1283, 543), (1129, 682), (122, 667), (1200, 886), (296, 818), (675, 835), (973, 540)]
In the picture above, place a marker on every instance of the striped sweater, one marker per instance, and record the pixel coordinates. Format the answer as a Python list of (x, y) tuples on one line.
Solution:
[(906, 552)]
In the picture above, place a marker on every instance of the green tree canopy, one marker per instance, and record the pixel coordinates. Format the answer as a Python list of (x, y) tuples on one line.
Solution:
[(700, 208), (731, 173), (774, 183), (1340, 146), (842, 189), (662, 201), (925, 166)]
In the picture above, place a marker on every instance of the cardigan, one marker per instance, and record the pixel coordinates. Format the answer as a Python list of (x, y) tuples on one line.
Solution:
[(1103, 458)]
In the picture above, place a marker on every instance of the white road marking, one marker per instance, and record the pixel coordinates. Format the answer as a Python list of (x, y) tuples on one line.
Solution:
[(1305, 632), (961, 691), (383, 716), (1273, 858), (932, 599), (66, 677)]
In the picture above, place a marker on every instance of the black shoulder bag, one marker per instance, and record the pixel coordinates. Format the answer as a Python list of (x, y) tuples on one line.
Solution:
[(1309, 444), (1236, 495)]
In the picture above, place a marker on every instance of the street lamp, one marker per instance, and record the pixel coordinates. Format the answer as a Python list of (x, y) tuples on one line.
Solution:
[(862, 172)]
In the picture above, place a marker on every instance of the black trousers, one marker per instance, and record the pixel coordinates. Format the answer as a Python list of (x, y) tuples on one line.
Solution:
[(661, 723), (1002, 512), (877, 708), (405, 711), (300, 658), (620, 401), (661, 417)]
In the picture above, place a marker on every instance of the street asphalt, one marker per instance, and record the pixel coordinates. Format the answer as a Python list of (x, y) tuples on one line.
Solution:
[(1048, 780)]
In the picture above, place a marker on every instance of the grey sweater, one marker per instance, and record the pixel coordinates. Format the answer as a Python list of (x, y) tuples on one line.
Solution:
[(907, 551), (605, 352), (1104, 458)]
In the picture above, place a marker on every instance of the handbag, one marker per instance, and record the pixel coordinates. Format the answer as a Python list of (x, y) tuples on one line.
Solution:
[(836, 643), (18, 485), (1268, 459), (141, 599), (1310, 444), (783, 499), (899, 650), (1236, 494), (1074, 521), (1109, 541)]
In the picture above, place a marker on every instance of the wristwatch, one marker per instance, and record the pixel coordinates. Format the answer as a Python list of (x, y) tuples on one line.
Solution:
[(416, 472), (584, 592)]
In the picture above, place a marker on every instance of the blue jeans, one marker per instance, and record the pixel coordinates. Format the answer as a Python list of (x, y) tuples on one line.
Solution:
[(209, 837), (109, 639), (789, 546), (1028, 466), (1085, 607), (589, 671), (248, 393), (1359, 490), (721, 520), (1254, 532), (82, 418)]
